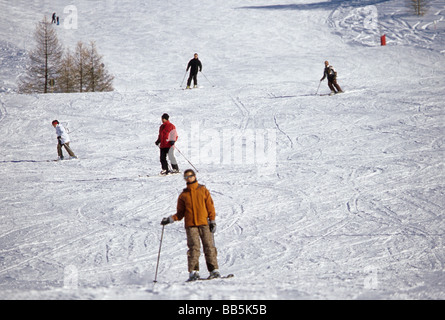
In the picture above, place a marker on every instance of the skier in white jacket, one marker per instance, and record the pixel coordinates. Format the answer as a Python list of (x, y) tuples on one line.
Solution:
[(64, 140)]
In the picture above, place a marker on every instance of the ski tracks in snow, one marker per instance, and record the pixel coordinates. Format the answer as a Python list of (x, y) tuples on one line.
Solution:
[(136, 243), (279, 129), (245, 114), (2, 109)]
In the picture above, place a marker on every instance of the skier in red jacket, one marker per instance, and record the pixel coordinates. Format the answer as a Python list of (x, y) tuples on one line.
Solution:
[(166, 140)]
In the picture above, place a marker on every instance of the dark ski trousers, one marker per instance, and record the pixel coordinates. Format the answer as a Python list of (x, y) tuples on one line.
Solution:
[(194, 237), (171, 155), (333, 85), (193, 76), (163, 158)]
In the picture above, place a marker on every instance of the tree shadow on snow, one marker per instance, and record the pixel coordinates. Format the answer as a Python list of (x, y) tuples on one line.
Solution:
[(325, 5)]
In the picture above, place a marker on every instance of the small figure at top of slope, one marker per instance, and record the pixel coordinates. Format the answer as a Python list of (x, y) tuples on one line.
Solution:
[(166, 140), (195, 204), (330, 72), (63, 140), (194, 65)]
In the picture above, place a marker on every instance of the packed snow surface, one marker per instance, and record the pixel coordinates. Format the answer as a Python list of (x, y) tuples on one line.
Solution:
[(348, 204)]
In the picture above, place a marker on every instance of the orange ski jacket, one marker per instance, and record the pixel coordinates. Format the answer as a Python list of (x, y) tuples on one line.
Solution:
[(195, 204)]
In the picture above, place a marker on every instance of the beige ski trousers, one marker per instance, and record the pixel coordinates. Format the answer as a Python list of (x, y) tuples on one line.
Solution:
[(194, 237), (67, 148)]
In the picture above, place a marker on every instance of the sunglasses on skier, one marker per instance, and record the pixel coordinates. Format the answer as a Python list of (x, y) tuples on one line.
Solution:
[(188, 177)]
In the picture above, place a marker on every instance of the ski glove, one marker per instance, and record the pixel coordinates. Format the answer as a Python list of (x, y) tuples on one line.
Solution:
[(171, 143), (157, 142), (212, 226), (166, 221)]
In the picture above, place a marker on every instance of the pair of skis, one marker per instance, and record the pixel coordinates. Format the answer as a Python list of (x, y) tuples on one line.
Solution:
[(211, 278), (159, 175), (59, 160)]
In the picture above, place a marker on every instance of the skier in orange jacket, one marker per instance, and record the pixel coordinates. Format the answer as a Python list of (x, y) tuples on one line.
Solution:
[(195, 205)]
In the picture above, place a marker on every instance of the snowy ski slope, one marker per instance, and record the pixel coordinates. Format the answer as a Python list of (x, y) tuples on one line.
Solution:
[(349, 203)]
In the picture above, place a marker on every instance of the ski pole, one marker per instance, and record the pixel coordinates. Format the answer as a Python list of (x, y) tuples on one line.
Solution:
[(207, 79), (183, 78), (319, 84), (159, 255), (186, 158)]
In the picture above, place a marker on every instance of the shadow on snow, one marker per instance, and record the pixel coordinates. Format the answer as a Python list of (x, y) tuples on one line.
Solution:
[(325, 5)]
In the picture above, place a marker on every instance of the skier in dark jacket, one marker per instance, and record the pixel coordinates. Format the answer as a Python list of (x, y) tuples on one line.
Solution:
[(330, 72), (194, 65)]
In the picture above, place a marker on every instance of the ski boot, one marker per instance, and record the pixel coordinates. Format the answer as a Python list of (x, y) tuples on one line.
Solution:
[(214, 274), (193, 276), (175, 168)]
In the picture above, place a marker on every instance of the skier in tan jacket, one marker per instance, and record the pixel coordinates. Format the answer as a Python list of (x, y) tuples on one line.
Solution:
[(196, 206), (331, 74)]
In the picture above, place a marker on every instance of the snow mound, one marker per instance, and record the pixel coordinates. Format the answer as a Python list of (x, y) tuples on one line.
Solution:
[(365, 25)]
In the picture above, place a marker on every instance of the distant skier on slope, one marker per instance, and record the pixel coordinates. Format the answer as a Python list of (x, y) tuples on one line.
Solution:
[(63, 139), (194, 65), (195, 204), (330, 72), (166, 140)]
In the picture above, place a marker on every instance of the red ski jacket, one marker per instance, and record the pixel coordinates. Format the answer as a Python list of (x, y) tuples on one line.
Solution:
[(167, 133)]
